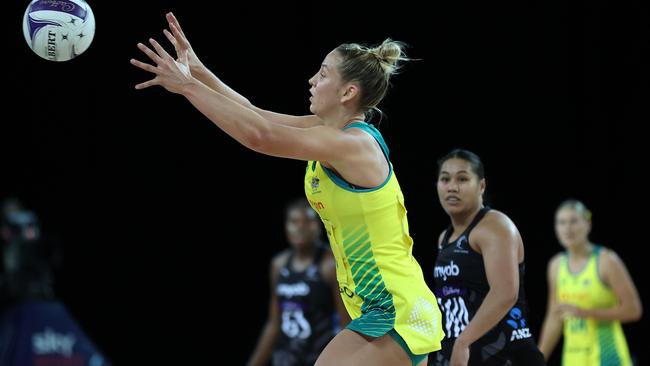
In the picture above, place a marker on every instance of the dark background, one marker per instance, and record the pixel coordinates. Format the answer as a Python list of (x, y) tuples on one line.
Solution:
[(168, 224)]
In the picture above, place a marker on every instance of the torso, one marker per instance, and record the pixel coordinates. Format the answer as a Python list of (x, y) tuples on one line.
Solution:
[(381, 284), (461, 286), (306, 311), (587, 341)]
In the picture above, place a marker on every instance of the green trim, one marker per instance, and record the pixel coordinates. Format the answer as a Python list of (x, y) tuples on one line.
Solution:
[(608, 353), (361, 267), (372, 131), (597, 249), (354, 242), (580, 271), (415, 359), (377, 308), (370, 284)]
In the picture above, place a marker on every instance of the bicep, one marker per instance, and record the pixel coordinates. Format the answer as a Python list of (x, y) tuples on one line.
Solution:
[(322, 143), (617, 277), (290, 120), (499, 249), (274, 306), (329, 274), (551, 275)]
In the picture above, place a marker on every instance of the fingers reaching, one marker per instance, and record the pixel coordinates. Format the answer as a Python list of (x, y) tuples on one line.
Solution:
[(168, 72), (171, 39), (151, 54), (180, 37), (159, 49), (143, 66), (147, 84), (171, 19)]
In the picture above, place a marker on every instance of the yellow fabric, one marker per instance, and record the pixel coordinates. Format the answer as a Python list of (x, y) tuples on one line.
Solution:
[(589, 342), (380, 281)]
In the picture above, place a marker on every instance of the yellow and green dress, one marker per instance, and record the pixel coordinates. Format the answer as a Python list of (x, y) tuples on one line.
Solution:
[(589, 342), (380, 281)]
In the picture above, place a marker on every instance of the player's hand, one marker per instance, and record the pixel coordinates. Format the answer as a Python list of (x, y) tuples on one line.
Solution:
[(171, 74), (181, 44), (459, 354), (569, 310)]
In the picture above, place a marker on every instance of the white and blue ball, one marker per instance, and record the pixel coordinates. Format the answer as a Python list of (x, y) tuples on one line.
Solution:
[(58, 30)]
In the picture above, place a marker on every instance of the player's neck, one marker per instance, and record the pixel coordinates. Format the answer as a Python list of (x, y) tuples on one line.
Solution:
[(357, 118), (304, 254), (462, 220), (581, 251)]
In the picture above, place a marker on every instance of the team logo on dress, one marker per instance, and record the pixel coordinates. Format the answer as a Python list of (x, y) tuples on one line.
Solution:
[(312, 272), (450, 270), (345, 290), (293, 289), (460, 245), (518, 323), (315, 183)]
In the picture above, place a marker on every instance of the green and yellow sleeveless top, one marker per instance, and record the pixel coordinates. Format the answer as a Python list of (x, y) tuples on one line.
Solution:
[(381, 284), (589, 342)]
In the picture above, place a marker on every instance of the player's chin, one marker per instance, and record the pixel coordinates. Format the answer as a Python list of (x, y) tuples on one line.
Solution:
[(452, 209)]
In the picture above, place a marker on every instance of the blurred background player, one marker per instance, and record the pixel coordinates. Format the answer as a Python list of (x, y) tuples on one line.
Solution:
[(35, 327), (304, 295), (590, 293)]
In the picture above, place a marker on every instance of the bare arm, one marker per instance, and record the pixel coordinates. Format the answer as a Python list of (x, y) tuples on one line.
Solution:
[(498, 240), (322, 143), (616, 276), (264, 348), (212, 81), (181, 44), (329, 274), (553, 322)]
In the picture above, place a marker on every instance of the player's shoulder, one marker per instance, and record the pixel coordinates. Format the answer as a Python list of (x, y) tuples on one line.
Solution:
[(280, 260), (555, 260), (327, 258), (495, 223), (608, 256), (441, 237), (497, 218)]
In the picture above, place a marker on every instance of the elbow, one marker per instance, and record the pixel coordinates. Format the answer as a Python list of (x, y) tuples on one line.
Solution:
[(636, 314), (254, 141), (509, 297), (630, 313), (257, 139)]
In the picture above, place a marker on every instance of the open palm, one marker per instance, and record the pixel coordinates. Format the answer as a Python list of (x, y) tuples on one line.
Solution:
[(172, 74), (182, 46)]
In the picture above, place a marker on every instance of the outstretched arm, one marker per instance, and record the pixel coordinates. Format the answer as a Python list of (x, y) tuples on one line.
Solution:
[(552, 326), (202, 73), (248, 127)]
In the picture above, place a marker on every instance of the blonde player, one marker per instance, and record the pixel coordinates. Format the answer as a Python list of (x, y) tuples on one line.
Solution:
[(590, 294), (349, 181)]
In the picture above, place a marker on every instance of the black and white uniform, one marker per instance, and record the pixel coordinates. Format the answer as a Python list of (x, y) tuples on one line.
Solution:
[(460, 286), (307, 314)]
